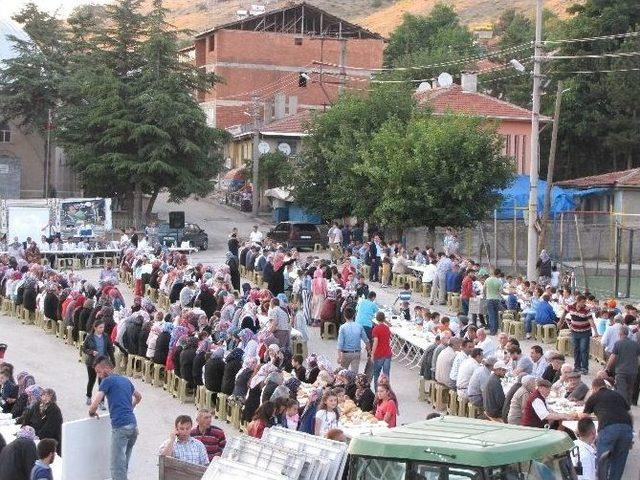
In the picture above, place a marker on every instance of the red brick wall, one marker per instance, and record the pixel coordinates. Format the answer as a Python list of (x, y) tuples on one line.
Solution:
[(268, 51)]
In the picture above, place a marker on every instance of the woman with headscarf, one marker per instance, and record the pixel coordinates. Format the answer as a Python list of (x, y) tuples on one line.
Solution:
[(204, 345), (24, 380), (272, 381), (347, 380), (249, 319), (18, 457), (313, 370), (364, 396), (228, 308), (51, 302), (254, 394), (187, 356), (207, 300), (276, 281), (176, 334), (318, 294), (33, 393), (241, 385), (30, 292), (161, 350), (156, 329), (544, 268), (232, 365), (234, 270), (46, 417), (214, 370), (83, 317), (248, 344)]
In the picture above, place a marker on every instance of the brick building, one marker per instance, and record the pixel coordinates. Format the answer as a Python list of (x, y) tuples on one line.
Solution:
[(263, 55), (514, 122)]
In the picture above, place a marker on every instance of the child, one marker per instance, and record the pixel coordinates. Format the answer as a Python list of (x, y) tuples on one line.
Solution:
[(298, 369), (386, 272), (46, 453), (291, 414), (586, 454), (418, 316), (327, 416), (405, 297)]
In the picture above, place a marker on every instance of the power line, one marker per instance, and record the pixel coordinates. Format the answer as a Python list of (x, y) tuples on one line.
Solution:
[(592, 39), (518, 48), (600, 55)]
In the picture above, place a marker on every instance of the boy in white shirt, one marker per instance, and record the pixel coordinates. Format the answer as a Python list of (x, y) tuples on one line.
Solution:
[(584, 460)]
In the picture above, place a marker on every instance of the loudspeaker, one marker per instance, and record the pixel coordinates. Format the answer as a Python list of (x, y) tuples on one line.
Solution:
[(176, 220)]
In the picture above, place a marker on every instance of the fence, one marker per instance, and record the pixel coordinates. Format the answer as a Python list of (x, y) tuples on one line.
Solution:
[(581, 244)]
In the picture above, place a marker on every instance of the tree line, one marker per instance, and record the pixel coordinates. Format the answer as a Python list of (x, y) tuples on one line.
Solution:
[(120, 98)]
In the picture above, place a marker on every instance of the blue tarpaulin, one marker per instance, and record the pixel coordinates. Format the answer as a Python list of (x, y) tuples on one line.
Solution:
[(516, 196)]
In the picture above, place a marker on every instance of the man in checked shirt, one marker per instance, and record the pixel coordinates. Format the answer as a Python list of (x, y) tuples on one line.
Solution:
[(182, 446)]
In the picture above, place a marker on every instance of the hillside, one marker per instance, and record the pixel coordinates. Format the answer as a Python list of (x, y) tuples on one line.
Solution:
[(471, 11), (381, 16)]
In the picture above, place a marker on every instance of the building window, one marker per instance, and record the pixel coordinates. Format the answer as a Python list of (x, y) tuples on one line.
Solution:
[(523, 152), (5, 133), (507, 144), (211, 42), (516, 148)]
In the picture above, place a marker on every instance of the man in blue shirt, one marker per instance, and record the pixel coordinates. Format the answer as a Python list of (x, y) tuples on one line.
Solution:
[(367, 309), (545, 315), (351, 336), (122, 398)]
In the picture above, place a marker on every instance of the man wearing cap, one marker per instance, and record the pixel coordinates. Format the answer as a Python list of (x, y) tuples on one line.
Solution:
[(479, 380), (493, 393), (516, 406), (535, 412), (575, 389), (552, 373)]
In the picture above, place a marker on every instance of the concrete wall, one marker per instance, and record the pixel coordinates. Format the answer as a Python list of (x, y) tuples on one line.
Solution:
[(28, 150)]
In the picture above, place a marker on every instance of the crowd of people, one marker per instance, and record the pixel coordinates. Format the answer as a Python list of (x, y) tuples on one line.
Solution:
[(235, 338)]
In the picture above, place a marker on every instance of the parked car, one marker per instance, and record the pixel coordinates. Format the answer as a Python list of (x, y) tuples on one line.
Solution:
[(298, 234), (191, 233)]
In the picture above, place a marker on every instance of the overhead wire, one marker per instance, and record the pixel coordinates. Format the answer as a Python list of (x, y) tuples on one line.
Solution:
[(593, 39)]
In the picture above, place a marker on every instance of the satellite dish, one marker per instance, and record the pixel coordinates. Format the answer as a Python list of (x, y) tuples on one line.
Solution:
[(423, 87), (445, 80), (285, 148), (263, 148)]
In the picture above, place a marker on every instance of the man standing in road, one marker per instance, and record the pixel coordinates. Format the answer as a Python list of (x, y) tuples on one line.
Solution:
[(365, 312), (122, 397), (493, 294), (623, 364), (256, 235), (351, 336), (335, 241)]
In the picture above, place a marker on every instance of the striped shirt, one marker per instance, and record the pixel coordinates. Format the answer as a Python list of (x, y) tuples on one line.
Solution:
[(213, 439), (404, 296), (579, 319)]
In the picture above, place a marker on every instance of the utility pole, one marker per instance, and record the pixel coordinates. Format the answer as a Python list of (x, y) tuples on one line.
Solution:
[(343, 63), (255, 155), (550, 168), (532, 234), (47, 156)]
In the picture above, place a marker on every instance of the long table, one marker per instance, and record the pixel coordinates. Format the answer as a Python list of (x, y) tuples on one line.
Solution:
[(408, 341)]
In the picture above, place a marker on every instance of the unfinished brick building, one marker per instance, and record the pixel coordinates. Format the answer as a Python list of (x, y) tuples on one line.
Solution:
[(263, 55)]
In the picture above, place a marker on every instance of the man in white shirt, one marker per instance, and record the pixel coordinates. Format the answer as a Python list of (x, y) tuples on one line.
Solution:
[(335, 241), (585, 456), (467, 367), (256, 235), (539, 362), (611, 335), (461, 356), (486, 343)]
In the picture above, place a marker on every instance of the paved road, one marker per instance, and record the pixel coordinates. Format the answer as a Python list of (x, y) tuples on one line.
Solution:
[(55, 365)]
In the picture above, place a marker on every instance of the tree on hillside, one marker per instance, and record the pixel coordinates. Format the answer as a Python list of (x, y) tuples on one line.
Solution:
[(30, 82), (323, 178), (435, 171), (131, 124)]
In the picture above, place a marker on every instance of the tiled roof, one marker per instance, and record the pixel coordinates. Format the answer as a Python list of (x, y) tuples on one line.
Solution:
[(292, 125), (622, 178), (454, 100)]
